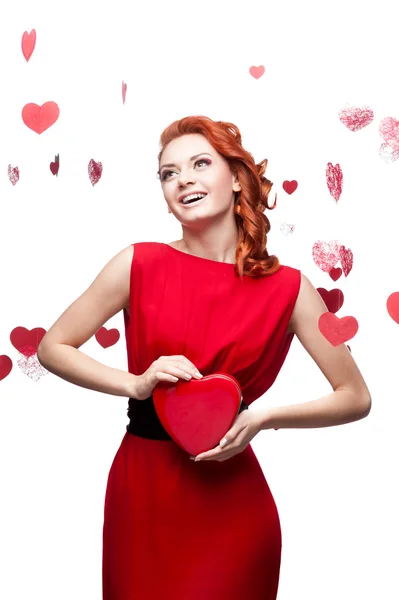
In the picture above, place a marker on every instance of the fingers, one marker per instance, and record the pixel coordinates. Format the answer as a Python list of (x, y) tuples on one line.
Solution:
[(173, 368)]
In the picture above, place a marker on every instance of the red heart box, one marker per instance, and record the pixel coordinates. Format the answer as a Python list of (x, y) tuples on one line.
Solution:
[(198, 413)]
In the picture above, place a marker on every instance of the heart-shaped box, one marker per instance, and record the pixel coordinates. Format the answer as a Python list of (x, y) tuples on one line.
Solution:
[(198, 413)]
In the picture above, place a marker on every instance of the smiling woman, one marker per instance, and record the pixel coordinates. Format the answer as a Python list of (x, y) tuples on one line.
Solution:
[(214, 302)]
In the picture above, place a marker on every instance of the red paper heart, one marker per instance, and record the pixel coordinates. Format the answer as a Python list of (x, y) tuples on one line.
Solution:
[(39, 118), (27, 341), (337, 331), (28, 44), (290, 186), (198, 413), (54, 166), (393, 306), (5, 366), (335, 273), (333, 299), (107, 337)]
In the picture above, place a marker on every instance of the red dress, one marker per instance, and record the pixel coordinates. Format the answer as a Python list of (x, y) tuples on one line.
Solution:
[(173, 528)]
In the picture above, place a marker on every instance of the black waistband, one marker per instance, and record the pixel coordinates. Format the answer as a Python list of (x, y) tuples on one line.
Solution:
[(144, 421)]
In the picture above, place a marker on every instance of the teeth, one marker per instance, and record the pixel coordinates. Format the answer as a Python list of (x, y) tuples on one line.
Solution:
[(192, 196)]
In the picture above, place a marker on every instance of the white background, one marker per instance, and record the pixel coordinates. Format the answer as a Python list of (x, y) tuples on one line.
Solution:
[(335, 488)]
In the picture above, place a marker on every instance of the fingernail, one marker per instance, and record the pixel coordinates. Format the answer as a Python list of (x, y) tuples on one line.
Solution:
[(198, 374)]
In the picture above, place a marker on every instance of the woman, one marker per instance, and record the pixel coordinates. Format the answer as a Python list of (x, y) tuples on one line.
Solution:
[(214, 301)]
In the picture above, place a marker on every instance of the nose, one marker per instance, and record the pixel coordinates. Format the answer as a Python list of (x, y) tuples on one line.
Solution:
[(185, 178)]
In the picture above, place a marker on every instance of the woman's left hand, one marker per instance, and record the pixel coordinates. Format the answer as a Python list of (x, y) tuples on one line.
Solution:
[(243, 430)]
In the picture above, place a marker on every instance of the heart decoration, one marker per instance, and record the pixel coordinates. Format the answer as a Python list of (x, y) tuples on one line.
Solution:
[(13, 174), (27, 341), (389, 130), (198, 413), (355, 118), (333, 299), (393, 306), (257, 72), (335, 273), (28, 44), (5, 366), (337, 330), (55, 166), (326, 255), (39, 118), (334, 180), (346, 258), (290, 186), (107, 337), (95, 171)]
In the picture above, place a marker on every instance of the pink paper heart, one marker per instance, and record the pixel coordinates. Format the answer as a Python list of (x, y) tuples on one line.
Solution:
[(28, 44), (257, 72)]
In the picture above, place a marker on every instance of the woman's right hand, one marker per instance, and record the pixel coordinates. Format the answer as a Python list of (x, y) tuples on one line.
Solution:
[(165, 368)]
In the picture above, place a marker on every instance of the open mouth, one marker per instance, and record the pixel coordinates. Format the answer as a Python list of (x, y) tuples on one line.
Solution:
[(190, 200)]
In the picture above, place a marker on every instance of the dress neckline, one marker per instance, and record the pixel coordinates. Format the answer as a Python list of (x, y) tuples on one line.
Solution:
[(195, 257)]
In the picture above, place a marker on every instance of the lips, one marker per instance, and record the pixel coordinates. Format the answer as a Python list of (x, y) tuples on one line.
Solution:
[(189, 194)]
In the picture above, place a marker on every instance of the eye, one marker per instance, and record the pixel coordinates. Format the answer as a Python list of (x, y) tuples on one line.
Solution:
[(204, 160)]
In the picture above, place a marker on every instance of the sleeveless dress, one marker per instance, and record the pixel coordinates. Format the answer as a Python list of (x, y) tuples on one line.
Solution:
[(174, 528)]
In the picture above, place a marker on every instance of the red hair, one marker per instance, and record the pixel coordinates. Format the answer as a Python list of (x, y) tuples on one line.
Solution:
[(252, 258)]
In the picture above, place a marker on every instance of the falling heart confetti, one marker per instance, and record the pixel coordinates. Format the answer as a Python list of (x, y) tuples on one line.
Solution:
[(389, 130), (388, 154), (124, 88), (346, 258), (393, 306), (27, 341), (54, 166), (333, 299), (355, 118), (107, 337), (337, 330), (39, 118), (287, 228), (326, 255), (95, 171), (28, 44), (335, 274), (13, 174), (334, 180), (30, 366), (257, 72), (290, 186), (5, 366)]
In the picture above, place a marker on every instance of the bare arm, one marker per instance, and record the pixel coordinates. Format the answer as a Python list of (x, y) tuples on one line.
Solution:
[(58, 351), (350, 400)]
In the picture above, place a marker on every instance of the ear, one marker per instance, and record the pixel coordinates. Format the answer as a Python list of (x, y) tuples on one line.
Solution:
[(236, 184)]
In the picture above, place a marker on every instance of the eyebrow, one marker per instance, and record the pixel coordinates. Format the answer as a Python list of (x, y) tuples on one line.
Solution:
[(191, 158)]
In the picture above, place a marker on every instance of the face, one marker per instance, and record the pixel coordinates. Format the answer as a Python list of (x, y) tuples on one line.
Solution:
[(190, 164)]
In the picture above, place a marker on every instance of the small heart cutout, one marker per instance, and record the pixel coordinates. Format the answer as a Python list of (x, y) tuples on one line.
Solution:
[(28, 44), (198, 413), (257, 72), (39, 118), (337, 330)]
